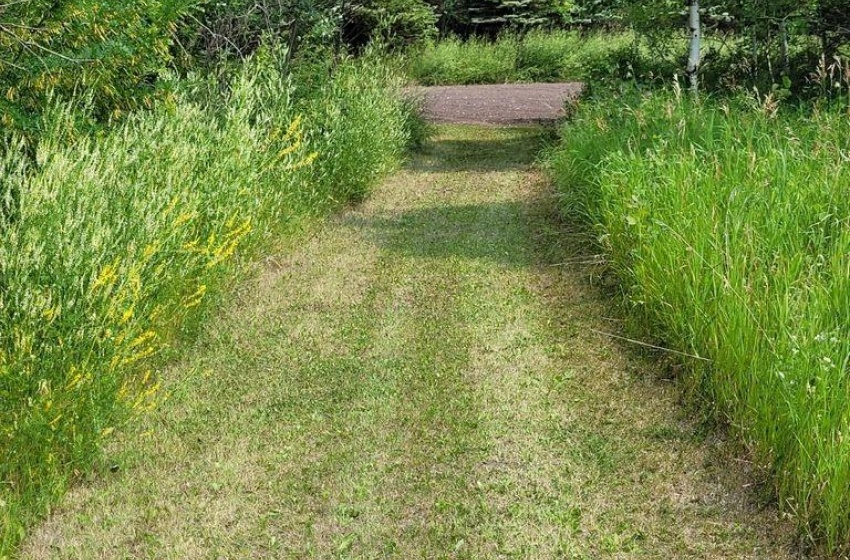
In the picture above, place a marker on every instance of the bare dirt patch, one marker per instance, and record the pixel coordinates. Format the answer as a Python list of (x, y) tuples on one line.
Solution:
[(501, 104)]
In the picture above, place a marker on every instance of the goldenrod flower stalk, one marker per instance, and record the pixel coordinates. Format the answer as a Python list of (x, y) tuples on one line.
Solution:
[(195, 298)]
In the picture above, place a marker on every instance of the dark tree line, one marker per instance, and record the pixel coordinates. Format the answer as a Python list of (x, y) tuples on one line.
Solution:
[(113, 51), (772, 38)]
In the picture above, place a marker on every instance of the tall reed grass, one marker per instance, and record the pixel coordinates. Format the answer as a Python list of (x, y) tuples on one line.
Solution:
[(116, 240), (729, 226), (540, 55)]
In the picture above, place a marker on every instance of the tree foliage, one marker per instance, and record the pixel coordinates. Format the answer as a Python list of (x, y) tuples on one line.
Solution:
[(769, 44), (236, 28), (596, 13), (108, 50), (491, 16), (395, 23)]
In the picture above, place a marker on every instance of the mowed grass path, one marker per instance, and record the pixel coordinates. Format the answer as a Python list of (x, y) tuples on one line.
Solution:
[(420, 378)]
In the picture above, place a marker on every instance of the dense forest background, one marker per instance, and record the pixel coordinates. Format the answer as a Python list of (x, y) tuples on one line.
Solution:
[(115, 53)]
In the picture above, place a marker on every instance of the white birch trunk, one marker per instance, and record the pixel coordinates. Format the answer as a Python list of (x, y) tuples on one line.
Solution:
[(786, 57), (694, 56)]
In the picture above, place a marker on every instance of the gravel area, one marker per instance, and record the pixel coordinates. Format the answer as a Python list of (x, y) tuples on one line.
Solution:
[(497, 104)]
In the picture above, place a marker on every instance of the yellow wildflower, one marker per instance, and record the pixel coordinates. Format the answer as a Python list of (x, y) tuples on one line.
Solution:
[(195, 298), (289, 149), (107, 275), (191, 245), (294, 127), (303, 163), (127, 315), (149, 351), (183, 218), (50, 313), (149, 251), (142, 338)]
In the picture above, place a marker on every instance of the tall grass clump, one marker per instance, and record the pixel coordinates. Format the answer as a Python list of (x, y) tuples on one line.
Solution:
[(537, 56), (454, 61), (115, 240), (729, 226)]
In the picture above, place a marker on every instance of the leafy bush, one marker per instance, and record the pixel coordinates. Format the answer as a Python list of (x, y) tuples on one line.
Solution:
[(236, 28), (111, 50), (488, 17), (394, 23), (120, 239), (727, 224)]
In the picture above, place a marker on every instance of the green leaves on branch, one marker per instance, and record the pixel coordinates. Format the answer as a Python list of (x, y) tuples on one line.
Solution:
[(111, 51), (395, 23), (236, 28), (477, 16)]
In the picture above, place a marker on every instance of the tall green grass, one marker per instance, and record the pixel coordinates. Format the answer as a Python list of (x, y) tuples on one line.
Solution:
[(729, 225), (536, 56), (116, 240)]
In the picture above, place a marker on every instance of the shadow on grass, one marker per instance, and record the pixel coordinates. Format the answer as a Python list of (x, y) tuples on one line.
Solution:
[(494, 232), (501, 231), (482, 149)]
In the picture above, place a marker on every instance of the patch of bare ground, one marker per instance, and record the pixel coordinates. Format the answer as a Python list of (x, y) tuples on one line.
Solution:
[(501, 104), (421, 377)]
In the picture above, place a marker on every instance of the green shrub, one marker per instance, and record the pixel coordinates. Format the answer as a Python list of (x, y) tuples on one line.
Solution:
[(727, 223), (394, 23), (119, 239), (236, 28), (112, 50)]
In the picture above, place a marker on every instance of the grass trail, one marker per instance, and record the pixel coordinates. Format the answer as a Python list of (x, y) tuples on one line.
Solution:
[(420, 378)]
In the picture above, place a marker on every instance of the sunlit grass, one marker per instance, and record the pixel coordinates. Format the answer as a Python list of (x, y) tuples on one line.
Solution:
[(419, 375), (728, 225), (536, 56), (116, 240)]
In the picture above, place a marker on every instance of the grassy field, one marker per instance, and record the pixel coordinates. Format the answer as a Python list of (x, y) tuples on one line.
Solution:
[(112, 246), (421, 377), (727, 222)]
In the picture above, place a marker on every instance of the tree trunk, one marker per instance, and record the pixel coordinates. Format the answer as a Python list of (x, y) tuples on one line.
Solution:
[(755, 56), (786, 57), (696, 46), (292, 43)]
